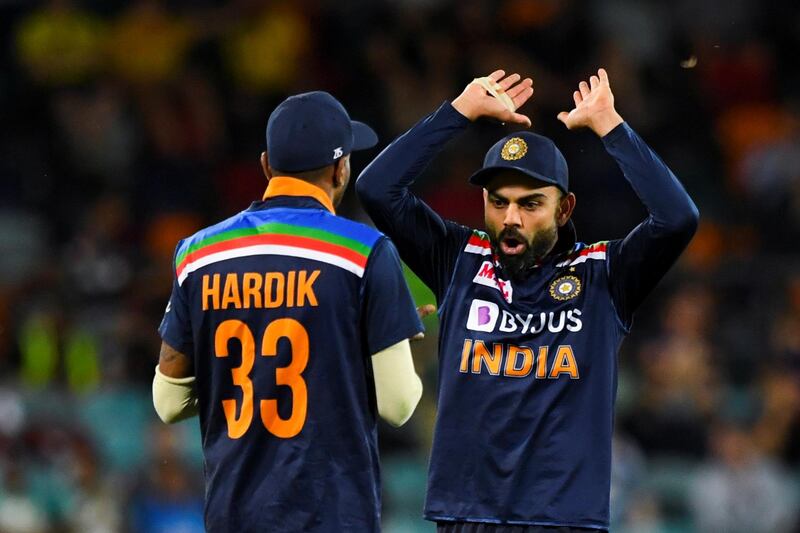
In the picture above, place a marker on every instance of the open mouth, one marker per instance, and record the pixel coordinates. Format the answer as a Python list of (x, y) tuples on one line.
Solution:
[(512, 246)]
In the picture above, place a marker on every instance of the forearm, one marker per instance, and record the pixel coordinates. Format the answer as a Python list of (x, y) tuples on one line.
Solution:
[(174, 399), (398, 389), (426, 242), (174, 394), (671, 210), (383, 185), (638, 262)]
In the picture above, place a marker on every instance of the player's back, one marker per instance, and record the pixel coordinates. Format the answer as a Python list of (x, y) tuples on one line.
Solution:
[(287, 408)]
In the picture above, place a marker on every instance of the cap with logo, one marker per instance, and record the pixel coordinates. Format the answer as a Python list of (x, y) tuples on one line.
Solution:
[(526, 152), (313, 130)]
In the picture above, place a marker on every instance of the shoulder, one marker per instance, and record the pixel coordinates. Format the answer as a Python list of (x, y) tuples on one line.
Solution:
[(478, 242), (362, 233), (229, 228), (583, 252), (334, 236)]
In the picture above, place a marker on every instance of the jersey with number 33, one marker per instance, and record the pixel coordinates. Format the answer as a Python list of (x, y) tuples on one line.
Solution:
[(280, 308)]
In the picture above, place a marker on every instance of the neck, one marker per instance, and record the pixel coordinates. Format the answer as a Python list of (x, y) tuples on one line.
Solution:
[(290, 186)]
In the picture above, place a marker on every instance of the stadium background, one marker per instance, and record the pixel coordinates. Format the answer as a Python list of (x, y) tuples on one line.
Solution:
[(126, 125)]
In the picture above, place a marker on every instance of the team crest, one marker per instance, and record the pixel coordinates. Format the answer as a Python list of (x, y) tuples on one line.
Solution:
[(565, 288), (514, 149)]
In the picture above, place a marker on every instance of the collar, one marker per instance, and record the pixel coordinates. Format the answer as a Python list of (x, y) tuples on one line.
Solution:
[(567, 237), (286, 186)]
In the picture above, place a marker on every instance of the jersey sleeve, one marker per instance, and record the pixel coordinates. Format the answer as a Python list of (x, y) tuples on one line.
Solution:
[(643, 257), (176, 326), (388, 312), (426, 242)]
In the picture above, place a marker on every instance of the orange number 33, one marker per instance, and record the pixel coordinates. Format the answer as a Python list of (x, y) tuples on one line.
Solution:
[(290, 376)]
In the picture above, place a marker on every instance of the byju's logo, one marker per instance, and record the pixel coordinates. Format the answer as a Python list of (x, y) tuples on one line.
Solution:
[(482, 315)]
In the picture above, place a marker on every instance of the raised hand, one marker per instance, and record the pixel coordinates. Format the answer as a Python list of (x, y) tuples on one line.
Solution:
[(594, 106), (475, 102)]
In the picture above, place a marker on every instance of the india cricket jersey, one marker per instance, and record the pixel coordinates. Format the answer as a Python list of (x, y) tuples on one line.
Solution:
[(281, 307), (527, 369)]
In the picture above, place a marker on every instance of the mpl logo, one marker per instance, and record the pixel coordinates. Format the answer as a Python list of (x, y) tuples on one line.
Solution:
[(482, 315), (486, 276)]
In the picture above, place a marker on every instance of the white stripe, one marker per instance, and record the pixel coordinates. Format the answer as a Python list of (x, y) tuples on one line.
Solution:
[(482, 250), (272, 249), (583, 258)]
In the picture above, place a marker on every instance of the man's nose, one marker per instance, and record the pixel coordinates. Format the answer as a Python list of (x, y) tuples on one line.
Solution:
[(512, 218)]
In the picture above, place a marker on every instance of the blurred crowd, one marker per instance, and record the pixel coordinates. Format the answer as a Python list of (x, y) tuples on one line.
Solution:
[(130, 124)]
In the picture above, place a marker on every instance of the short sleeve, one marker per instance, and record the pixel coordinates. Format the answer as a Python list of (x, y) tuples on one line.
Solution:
[(176, 326), (389, 314)]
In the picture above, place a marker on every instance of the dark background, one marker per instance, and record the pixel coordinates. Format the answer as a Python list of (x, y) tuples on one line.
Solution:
[(128, 125)]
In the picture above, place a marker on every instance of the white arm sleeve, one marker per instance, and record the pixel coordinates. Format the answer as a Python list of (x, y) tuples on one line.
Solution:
[(397, 386), (174, 398)]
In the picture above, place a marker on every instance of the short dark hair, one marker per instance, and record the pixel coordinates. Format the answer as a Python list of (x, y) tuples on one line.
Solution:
[(313, 175)]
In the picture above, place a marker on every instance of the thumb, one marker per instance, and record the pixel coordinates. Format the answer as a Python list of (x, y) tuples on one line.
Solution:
[(563, 118), (517, 118)]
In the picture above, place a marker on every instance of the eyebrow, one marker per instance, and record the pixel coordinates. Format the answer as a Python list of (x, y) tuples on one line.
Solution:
[(533, 196)]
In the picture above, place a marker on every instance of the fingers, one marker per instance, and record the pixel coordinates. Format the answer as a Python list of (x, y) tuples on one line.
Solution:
[(517, 118), (497, 75), (425, 310), (511, 91), (520, 88), (594, 83), (510, 80), (563, 118), (576, 96), (523, 96)]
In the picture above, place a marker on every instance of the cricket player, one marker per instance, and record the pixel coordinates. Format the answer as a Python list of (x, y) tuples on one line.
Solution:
[(531, 318), (286, 331)]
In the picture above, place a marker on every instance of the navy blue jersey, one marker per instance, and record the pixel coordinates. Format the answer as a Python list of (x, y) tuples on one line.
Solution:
[(527, 370), (280, 308)]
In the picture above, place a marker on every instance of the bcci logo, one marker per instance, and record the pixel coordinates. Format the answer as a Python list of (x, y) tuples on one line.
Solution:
[(514, 148), (565, 288), (482, 315)]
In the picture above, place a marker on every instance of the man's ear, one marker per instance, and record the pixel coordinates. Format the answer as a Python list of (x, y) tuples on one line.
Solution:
[(340, 172), (265, 166), (565, 208), (337, 173)]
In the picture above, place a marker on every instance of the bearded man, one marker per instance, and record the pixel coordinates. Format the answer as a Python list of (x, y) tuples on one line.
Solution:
[(531, 320)]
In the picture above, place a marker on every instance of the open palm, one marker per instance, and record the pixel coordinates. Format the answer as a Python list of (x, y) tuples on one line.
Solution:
[(474, 102), (594, 106)]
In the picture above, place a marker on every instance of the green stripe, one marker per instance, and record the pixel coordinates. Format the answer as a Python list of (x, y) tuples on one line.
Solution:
[(482, 235), (277, 228)]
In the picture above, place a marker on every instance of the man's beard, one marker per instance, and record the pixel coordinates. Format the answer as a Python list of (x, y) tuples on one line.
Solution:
[(517, 266)]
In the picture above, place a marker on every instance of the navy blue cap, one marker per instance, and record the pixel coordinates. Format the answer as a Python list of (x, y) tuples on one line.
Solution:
[(313, 130), (532, 154)]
